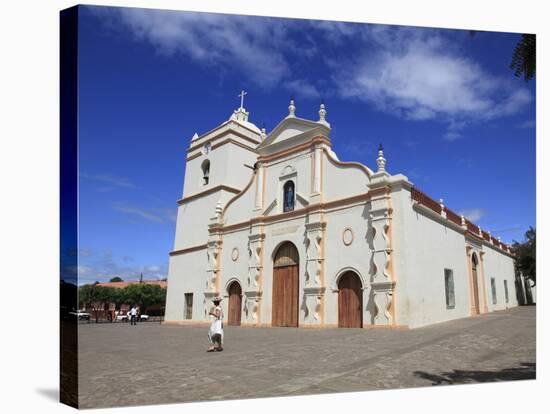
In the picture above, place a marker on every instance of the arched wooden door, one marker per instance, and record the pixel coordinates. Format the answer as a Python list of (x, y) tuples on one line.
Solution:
[(284, 307), (350, 301), (235, 303), (475, 283)]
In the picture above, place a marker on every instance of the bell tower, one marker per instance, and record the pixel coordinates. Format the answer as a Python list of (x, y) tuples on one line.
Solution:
[(215, 172)]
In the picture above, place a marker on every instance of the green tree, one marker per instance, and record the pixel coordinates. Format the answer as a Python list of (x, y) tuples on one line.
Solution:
[(116, 279), (526, 255), (144, 295), (524, 59), (96, 297)]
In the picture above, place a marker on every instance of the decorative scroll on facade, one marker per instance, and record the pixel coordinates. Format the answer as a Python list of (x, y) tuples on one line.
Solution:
[(314, 288), (253, 291), (212, 270), (213, 254), (379, 226)]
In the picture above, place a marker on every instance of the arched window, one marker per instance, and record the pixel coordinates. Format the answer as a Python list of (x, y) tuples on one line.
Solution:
[(205, 171), (288, 196)]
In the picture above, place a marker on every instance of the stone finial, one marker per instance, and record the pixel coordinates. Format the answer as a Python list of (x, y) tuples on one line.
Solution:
[(462, 220), (381, 161), (322, 114), (195, 136), (479, 231), (291, 109), (263, 134)]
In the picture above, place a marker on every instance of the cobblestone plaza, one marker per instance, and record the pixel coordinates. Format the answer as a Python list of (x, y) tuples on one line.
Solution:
[(121, 365)]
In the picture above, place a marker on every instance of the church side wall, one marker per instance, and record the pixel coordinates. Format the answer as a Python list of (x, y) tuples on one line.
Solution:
[(427, 248), (193, 218), (186, 274), (500, 267)]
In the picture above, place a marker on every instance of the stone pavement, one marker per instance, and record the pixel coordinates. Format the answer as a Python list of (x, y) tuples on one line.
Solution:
[(122, 365)]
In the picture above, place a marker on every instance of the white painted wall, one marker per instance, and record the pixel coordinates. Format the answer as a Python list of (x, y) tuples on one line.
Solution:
[(425, 248), (186, 274), (342, 181), (500, 267)]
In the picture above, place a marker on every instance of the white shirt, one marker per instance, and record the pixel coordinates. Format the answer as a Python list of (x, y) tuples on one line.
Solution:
[(216, 327), (133, 311)]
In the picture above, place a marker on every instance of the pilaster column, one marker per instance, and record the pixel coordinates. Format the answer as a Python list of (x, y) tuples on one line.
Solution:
[(379, 222), (213, 254), (314, 284), (483, 281), (253, 292), (259, 200), (469, 251), (316, 166), (317, 170)]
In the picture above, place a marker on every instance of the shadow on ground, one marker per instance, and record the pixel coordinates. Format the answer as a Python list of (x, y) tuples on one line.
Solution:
[(50, 393), (527, 370)]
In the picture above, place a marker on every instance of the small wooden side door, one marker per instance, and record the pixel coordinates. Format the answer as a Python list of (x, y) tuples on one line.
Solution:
[(235, 303), (350, 301)]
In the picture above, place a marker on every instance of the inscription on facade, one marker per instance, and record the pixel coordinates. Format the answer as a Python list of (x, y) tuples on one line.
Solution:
[(284, 230)]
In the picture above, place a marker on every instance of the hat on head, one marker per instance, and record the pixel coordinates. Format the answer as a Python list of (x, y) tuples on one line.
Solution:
[(217, 299)]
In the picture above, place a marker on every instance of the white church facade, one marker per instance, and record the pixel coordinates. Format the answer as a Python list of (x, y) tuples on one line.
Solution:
[(289, 235)]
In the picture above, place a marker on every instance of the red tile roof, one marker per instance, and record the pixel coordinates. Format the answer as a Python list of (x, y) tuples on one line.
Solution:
[(121, 285)]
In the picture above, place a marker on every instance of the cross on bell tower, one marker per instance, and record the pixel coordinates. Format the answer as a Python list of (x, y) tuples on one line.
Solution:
[(241, 95), (241, 114)]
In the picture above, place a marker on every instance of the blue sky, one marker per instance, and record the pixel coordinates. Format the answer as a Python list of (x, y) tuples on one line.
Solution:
[(444, 104)]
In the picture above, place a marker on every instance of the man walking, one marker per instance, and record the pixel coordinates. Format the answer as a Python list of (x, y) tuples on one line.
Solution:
[(133, 315), (215, 333)]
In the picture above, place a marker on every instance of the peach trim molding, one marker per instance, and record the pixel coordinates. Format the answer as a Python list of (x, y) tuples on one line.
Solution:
[(206, 192), (348, 164), (231, 201), (221, 135), (298, 213), (188, 250), (307, 145)]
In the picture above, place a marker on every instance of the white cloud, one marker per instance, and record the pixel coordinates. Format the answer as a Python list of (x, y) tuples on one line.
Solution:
[(452, 136), (248, 45), (412, 73), (110, 179), (530, 123), (473, 215), (102, 266), (302, 88), (420, 76), (157, 215)]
